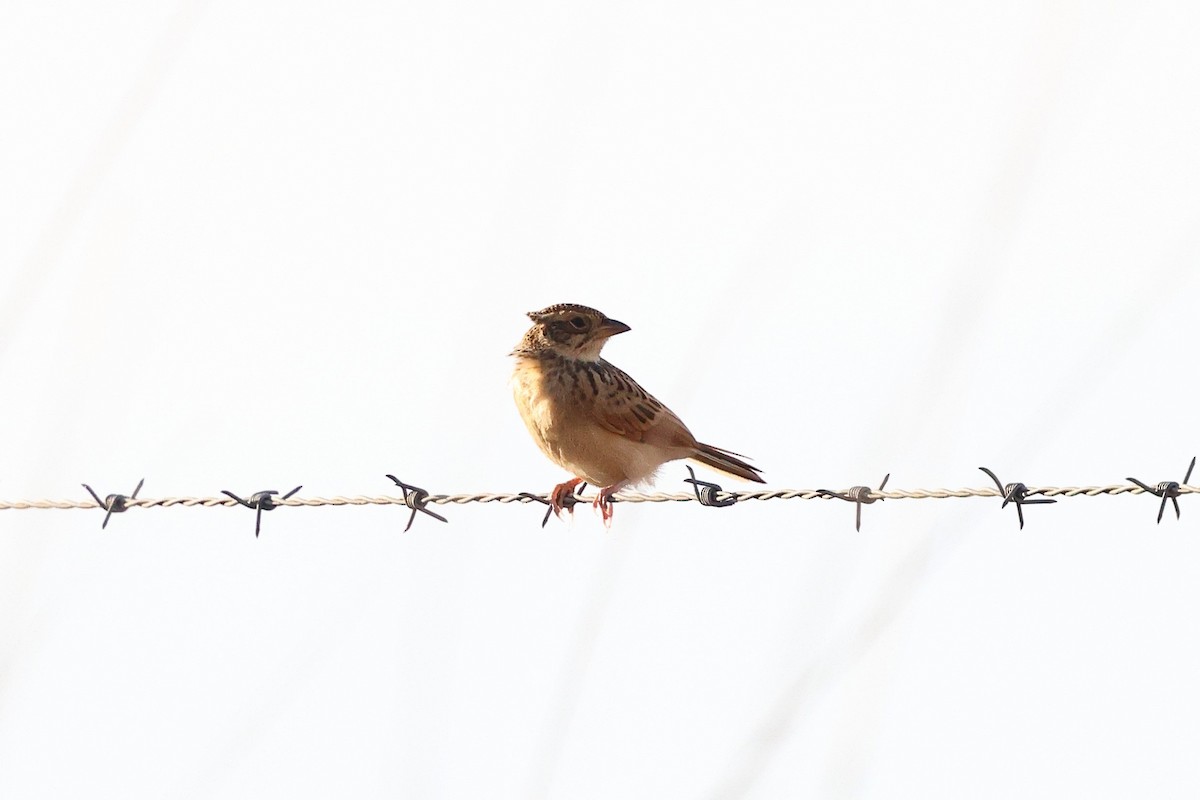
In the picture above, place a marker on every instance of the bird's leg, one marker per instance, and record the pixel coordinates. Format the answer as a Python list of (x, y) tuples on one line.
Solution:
[(603, 501), (560, 493)]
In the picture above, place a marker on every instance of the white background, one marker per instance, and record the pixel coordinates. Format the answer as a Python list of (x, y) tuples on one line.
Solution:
[(255, 246)]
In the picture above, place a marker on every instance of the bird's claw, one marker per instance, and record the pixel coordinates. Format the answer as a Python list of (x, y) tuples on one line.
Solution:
[(604, 502), (563, 495)]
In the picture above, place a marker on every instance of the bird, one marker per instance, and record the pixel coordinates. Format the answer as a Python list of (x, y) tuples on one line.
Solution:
[(591, 418)]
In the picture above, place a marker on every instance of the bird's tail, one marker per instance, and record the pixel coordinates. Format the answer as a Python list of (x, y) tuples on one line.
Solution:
[(727, 462)]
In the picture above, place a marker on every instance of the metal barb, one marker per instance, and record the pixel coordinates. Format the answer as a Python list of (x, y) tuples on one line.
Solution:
[(1167, 490), (415, 498), (260, 502), (113, 503), (860, 496), (1018, 495), (706, 492), (569, 501)]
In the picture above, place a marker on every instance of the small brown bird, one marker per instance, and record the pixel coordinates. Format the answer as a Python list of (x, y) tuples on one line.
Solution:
[(591, 418)]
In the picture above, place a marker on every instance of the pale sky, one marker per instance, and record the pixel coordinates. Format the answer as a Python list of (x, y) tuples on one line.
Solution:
[(255, 246)]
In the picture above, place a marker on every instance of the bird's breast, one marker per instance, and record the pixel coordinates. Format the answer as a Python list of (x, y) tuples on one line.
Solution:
[(557, 412), (534, 401)]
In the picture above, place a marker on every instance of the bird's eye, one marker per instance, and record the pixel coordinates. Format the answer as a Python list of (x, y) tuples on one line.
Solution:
[(578, 323)]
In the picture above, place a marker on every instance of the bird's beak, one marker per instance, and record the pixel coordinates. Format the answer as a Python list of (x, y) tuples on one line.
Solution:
[(610, 327)]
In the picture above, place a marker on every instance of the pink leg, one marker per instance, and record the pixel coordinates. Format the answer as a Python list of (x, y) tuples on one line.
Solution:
[(560, 493), (603, 502)]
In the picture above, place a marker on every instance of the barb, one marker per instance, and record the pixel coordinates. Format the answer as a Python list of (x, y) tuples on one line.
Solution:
[(860, 496), (116, 503), (709, 494), (260, 502), (1167, 490), (1018, 494), (415, 498)]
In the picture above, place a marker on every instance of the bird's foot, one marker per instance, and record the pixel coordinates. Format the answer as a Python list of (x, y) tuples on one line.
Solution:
[(558, 497), (604, 502)]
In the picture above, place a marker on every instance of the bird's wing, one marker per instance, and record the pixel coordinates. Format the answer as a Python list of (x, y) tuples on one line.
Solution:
[(620, 405)]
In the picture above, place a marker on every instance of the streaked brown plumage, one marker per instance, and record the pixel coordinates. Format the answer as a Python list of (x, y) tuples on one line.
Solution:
[(592, 419)]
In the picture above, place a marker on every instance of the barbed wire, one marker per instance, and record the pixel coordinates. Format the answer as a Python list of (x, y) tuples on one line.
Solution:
[(704, 492), (625, 497)]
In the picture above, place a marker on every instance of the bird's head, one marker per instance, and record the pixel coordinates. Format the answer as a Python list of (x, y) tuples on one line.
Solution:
[(570, 330)]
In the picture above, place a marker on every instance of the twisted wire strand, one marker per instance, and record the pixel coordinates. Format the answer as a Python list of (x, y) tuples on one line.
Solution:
[(528, 497)]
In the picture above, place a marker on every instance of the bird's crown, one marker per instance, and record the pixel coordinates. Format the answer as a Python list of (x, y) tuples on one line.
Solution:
[(564, 311)]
